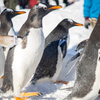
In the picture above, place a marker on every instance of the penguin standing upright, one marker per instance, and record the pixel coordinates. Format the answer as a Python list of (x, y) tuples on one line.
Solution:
[(87, 83), (23, 58), (6, 28), (51, 63)]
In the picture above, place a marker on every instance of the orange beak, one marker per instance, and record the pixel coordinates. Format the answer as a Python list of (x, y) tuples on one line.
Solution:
[(55, 7), (20, 12), (78, 24)]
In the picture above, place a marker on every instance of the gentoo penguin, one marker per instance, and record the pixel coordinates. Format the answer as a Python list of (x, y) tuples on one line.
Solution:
[(61, 30), (23, 58), (54, 53), (51, 62), (6, 28), (87, 83)]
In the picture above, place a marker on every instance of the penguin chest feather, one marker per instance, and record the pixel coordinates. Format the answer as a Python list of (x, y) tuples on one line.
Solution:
[(26, 60), (58, 65)]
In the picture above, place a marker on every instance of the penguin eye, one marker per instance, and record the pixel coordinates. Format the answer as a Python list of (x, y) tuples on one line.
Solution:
[(12, 12), (45, 8), (71, 22)]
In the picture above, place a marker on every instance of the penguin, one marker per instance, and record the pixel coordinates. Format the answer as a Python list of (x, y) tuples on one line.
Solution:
[(51, 63), (87, 82), (6, 23), (61, 30), (6, 28), (23, 58)]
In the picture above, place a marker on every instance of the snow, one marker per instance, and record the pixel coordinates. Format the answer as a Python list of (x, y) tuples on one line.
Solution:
[(50, 90)]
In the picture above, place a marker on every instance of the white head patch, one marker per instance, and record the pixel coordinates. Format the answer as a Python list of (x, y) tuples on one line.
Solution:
[(70, 20), (9, 10), (40, 5)]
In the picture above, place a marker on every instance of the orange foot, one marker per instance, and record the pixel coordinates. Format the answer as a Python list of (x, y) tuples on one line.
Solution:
[(17, 98), (30, 94), (25, 96), (64, 82), (2, 77)]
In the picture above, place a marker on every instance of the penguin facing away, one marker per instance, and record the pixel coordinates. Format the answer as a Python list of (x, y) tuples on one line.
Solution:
[(23, 58), (6, 28), (87, 83), (51, 63), (61, 30)]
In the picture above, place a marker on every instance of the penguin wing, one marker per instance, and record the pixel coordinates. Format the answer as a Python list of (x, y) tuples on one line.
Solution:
[(74, 57), (63, 46), (81, 45)]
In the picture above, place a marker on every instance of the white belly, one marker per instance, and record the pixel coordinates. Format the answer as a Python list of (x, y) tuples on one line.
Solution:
[(26, 60), (58, 66)]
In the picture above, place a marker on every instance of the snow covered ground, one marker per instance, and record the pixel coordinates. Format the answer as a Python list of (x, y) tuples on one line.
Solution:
[(50, 90)]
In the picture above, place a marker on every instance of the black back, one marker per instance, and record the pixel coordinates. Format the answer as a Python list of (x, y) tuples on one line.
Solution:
[(47, 65)]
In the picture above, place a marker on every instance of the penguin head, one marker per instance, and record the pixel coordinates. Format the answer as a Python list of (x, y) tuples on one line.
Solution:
[(70, 23), (9, 14), (38, 12)]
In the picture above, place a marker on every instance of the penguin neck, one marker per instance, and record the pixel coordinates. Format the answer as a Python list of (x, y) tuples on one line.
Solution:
[(26, 29), (6, 25), (64, 26)]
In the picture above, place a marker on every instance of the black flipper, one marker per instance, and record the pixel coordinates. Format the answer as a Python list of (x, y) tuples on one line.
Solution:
[(81, 45), (63, 45)]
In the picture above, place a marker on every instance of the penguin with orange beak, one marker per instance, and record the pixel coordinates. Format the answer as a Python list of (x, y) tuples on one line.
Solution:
[(23, 59), (7, 34), (54, 54)]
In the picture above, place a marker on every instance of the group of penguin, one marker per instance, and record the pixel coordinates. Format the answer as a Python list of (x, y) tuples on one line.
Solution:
[(29, 57)]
